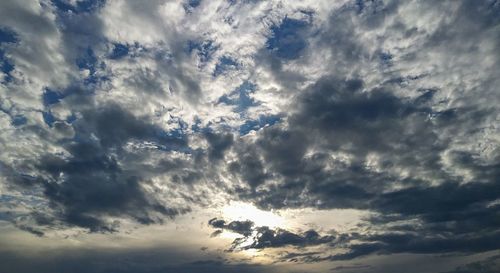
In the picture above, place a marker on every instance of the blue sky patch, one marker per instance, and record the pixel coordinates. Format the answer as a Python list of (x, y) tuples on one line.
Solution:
[(360, 5), (48, 118), (119, 51), (51, 97), (255, 125), (240, 97), (6, 67), (190, 5), (81, 6), (286, 41), (178, 133), (225, 63), (7, 36), (386, 58), (19, 120), (194, 3), (88, 60), (204, 49)]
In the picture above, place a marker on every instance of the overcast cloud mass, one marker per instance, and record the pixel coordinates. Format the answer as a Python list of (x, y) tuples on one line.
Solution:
[(250, 136)]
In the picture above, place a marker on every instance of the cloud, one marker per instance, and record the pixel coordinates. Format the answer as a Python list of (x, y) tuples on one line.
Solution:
[(91, 180), (240, 227), (488, 265), (260, 237), (116, 110), (104, 260), (349, 144), (353, 267), (279, 238), (337, 129)]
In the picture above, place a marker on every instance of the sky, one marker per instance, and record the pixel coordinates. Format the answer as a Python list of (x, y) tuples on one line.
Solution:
[(305, 136)]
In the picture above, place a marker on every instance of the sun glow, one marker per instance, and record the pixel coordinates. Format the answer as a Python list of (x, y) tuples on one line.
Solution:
[(244, 211)]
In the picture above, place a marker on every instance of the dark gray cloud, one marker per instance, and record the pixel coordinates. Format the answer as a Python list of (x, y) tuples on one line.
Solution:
[(242, 227), (90, 183), (321, 156), (338, 116), (97, 172), (150, 260), (218, 144), (489, 265), (267, 237), (416, 243), (260, 237), (351, 267)]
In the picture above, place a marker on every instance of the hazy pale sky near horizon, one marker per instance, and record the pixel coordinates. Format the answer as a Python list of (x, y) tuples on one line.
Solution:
[(250, 136)]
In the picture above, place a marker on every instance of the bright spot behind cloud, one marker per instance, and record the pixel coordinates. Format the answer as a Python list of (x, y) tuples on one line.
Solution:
[(244, 211)]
